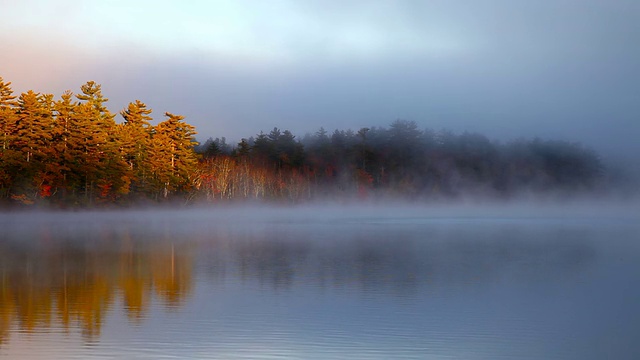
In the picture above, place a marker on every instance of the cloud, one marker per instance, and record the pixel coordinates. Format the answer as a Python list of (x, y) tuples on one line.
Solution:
[(556, 69)]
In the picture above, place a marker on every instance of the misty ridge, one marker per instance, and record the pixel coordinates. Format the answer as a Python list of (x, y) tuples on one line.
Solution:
[(71, 152)]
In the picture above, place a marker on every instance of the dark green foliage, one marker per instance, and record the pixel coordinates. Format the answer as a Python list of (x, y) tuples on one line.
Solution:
[(406, 161)]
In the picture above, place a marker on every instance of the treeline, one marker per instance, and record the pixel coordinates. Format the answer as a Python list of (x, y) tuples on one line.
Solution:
[(71, 151), (398, 161)]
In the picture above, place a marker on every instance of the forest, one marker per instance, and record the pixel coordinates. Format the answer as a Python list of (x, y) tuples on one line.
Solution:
[(72, 152)]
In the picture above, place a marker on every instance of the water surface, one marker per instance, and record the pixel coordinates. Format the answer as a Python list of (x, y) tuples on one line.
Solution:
[(352, 283)]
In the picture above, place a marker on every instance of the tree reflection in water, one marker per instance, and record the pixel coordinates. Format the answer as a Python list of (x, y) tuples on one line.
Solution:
[(401, 261), (71, 276), (65, 283)]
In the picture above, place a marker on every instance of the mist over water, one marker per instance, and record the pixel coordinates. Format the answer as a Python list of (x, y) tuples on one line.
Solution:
[(324, 281), (319, 180)]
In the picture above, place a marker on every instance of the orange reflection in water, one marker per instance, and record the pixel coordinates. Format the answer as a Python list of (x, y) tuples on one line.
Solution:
[(63, 286)]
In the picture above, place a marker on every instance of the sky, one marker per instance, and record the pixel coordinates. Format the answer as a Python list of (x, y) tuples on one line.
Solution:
[(556, 69)]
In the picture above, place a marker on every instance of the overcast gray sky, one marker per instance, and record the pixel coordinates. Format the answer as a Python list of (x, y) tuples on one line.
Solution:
[(558, 69)]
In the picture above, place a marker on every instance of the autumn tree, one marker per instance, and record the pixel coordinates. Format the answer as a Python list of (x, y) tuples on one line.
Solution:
[(96, 146), (33, 139), (7, 112), (172, 160), (9, 159), (135, 140), (64, 112)]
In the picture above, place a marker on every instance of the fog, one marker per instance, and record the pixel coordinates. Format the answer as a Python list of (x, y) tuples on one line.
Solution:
[(400, 246), (506, 69), (503, 236), (323, 281), (178, 218)]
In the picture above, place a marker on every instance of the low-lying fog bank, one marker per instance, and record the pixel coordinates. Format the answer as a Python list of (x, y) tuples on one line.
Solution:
[(252, 213)]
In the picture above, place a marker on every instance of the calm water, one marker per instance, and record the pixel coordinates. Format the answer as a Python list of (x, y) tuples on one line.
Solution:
[(319, 283)]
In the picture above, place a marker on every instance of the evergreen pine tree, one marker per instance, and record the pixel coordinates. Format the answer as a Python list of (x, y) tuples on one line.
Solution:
[(172, 159), (33, 140), (8, 122), (104, 166), (135, 136), (64, 116)]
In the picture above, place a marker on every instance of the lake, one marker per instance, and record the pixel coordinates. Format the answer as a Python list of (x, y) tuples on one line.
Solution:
[(324, 282)]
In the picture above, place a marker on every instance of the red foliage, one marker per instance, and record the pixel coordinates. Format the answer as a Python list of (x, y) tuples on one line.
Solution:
[(45, 190), (364, 182), (105, 189)]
